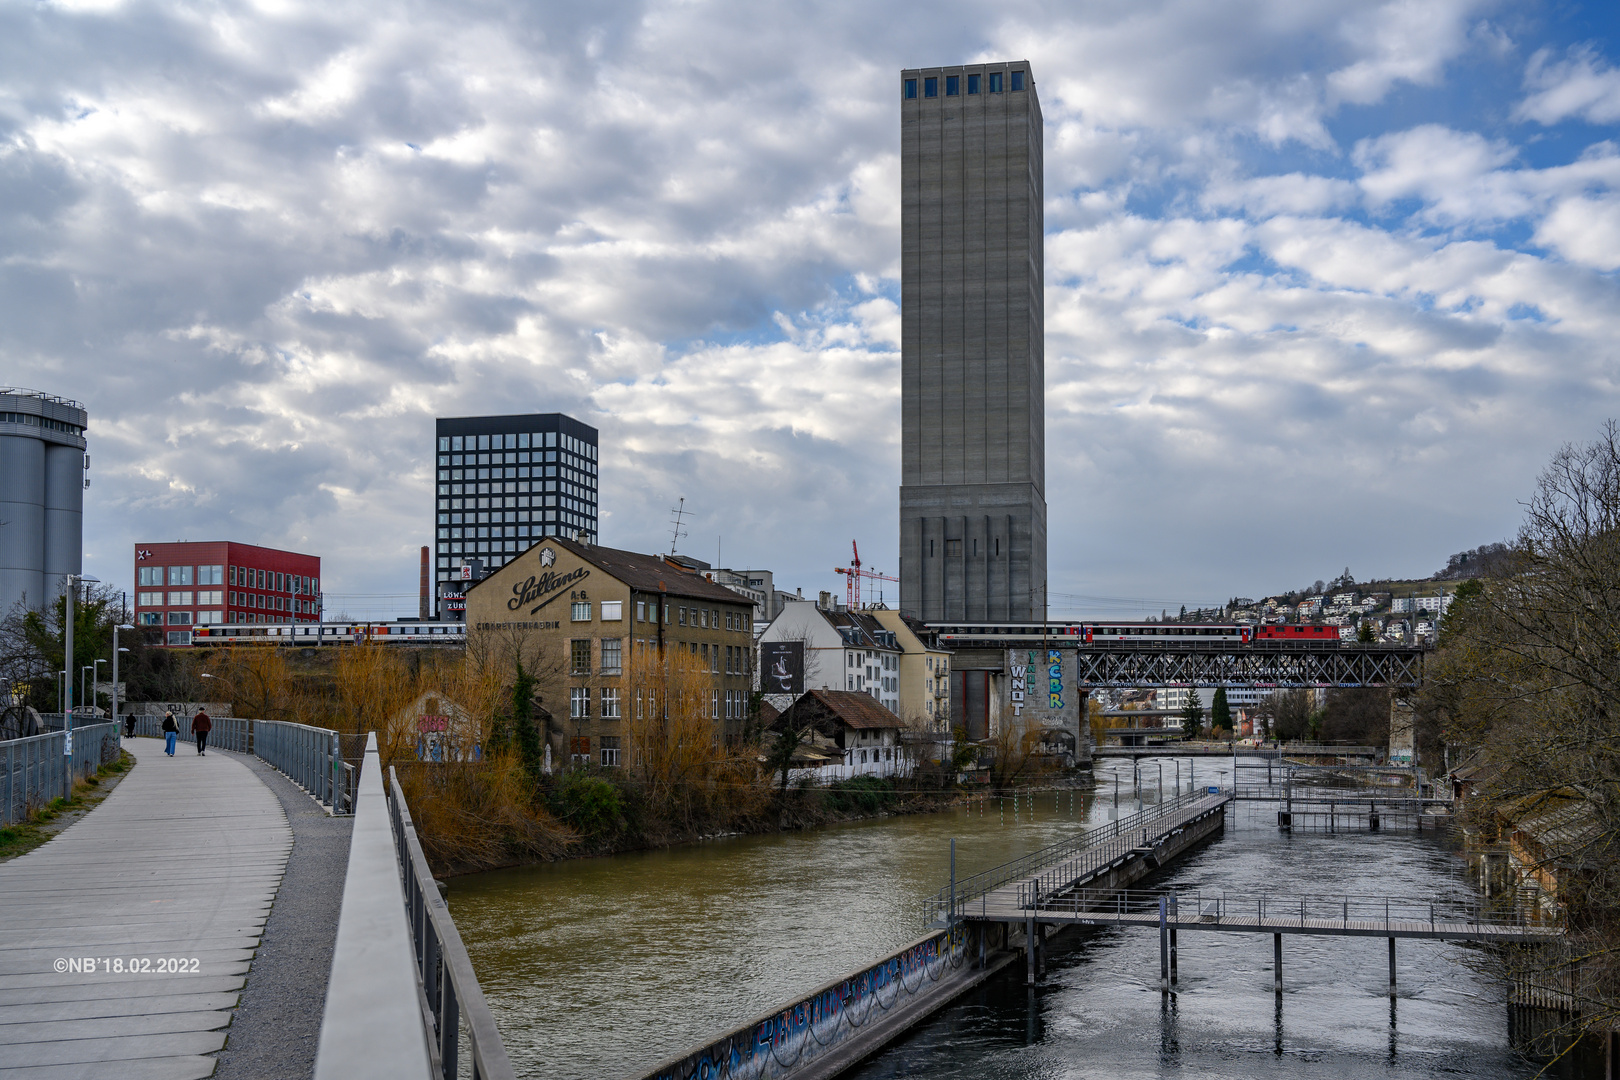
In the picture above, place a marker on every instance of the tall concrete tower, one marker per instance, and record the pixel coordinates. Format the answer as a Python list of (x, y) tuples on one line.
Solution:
[(973, 353), (42, 464)]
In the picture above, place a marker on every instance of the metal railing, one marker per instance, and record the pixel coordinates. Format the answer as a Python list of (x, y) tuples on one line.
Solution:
[(1266, 913), (372, 1025), (310, 757), (36, 768), (1126, 830), (449, 990)]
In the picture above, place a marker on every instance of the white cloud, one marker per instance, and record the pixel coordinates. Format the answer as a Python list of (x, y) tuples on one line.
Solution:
[(1583, 84), (1401, 41), (1585, 231)]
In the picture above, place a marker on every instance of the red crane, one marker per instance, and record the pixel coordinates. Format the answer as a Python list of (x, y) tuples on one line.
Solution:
[(853, 575)]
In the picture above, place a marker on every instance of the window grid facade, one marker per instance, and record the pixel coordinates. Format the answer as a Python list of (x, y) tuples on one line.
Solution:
[(503, 482), (214, 583)]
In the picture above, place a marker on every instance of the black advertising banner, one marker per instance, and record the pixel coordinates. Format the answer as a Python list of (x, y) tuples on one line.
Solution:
[(781, 667)]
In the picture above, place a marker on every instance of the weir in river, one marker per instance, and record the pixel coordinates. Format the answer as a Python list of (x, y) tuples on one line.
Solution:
[(605, 967)]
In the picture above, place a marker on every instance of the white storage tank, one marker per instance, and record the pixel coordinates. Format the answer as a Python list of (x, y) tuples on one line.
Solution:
[(42, 481)]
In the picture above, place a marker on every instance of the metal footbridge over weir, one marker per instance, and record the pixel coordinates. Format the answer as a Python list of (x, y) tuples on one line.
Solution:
[(1054, 888)]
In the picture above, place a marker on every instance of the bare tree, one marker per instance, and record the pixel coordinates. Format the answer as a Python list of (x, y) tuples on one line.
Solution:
[(1528, 673)]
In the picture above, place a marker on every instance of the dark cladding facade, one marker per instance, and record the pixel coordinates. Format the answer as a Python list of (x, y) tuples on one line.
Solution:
[(973, 367), (503, 482)]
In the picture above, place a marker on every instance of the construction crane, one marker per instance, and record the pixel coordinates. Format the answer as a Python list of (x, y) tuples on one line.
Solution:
[(852, 578)]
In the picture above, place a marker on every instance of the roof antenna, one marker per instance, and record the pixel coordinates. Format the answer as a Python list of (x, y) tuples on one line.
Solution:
[(677, 532)]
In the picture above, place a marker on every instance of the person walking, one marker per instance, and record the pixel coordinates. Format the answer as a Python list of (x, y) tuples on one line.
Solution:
[(129, 725), (171, 731), (200, 727)]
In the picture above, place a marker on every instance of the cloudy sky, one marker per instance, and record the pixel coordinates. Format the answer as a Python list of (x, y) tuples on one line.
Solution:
[(1327, 282)]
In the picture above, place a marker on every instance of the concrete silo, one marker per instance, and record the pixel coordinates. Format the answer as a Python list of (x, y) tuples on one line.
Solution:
[(42, 482)]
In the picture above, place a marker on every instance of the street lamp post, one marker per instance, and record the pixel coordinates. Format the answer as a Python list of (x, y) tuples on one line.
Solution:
[(71, 582), (82, 697), (116, 651)]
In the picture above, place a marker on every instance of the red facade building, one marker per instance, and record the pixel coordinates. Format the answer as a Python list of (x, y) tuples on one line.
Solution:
[(181, 586)]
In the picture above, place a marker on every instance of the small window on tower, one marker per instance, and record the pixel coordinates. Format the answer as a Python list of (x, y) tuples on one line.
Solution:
[(953, 549), (930, 88), (973, 84), (1017, 81), (995, 82), (953, 85), (911, 88)]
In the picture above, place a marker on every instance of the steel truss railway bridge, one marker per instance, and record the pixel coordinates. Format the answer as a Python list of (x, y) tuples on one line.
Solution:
[(1168, 662)]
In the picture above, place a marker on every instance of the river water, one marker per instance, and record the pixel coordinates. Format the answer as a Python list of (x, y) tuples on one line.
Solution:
[(606, 967)]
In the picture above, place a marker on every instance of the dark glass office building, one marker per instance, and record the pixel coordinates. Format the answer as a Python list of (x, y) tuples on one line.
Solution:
[(503, 482)]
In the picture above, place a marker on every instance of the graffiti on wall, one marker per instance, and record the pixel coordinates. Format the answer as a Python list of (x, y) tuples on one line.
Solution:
[(776, 1045), (1041, 688)]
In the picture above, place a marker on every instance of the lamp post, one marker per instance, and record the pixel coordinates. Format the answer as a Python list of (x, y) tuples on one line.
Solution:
[(82, 669), (71, 582), (95, 681), (116, 651)]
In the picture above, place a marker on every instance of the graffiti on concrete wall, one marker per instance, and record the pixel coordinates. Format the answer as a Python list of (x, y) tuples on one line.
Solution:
[(777, 1044)]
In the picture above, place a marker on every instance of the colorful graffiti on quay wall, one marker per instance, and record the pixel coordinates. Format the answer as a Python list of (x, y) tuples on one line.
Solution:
[(775, 1045)]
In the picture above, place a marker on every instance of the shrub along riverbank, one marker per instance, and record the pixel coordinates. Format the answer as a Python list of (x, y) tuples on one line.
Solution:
[(477, 818)]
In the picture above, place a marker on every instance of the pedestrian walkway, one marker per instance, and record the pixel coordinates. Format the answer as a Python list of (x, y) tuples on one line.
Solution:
[(173, 875)]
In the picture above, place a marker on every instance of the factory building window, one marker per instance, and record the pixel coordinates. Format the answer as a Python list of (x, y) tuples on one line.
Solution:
[(580, 611), (1017, 81), (995, 82), (953, 85), (911, 88), (930, 88), (973, 84), (580, 655)]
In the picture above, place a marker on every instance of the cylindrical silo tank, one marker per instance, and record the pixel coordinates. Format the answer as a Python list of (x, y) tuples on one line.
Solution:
[(64, 513), (42, 471), (22, 519)]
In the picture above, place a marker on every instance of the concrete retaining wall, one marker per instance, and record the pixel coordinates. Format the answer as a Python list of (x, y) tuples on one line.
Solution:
[(840, 1023)]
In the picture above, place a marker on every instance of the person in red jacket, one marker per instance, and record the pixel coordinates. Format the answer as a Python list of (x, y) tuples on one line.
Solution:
[(200, 727)]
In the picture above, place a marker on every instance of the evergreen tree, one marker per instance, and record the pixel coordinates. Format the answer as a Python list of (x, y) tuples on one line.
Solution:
[(1192, 714), (525, 733), (1220, 713), (1183, 612)]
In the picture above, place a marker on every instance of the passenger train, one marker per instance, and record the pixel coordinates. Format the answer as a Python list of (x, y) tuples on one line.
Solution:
[(345, 633), (1146, 633)]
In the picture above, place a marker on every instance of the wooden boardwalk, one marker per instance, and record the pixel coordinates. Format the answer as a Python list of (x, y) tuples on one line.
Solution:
[(176, 869)]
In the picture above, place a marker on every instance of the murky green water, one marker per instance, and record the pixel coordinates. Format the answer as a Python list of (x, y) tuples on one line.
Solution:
[(605, 967)]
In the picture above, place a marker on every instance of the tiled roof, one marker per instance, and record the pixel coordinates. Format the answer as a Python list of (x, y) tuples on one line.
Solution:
[(849, 707), (644, 573), (863, 628)]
